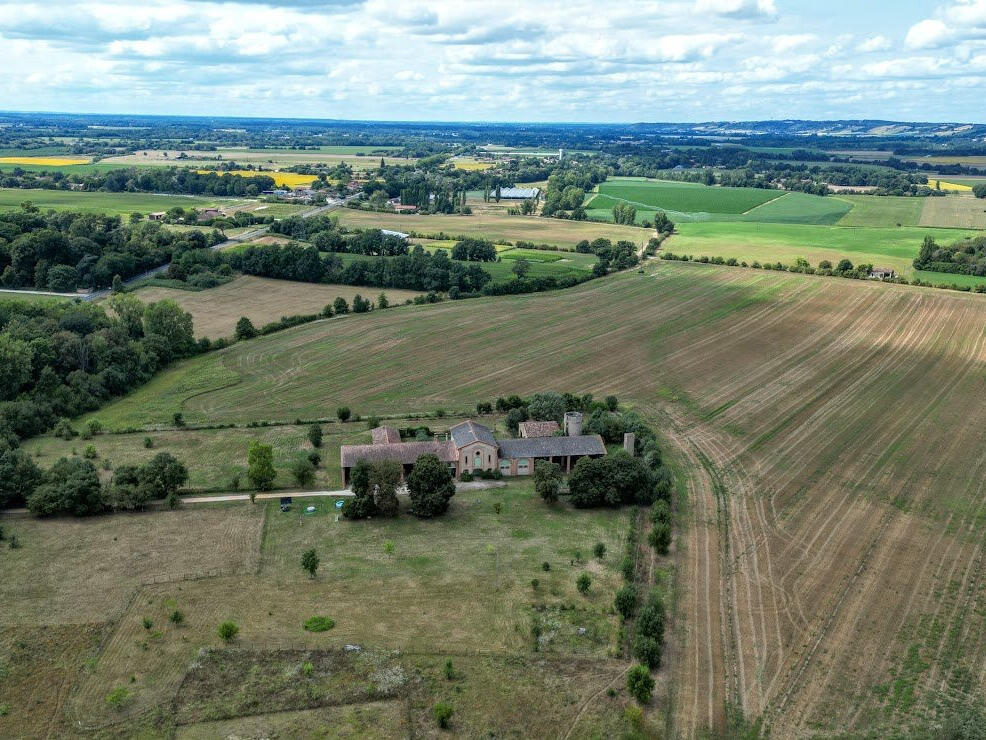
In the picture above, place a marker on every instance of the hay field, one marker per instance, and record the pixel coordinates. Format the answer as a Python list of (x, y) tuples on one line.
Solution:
[(957, 211), (496, 227), (833, 573), (111, 203), (215, 311)]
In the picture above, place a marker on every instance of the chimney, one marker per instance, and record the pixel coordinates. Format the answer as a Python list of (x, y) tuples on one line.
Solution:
[(573, 424), (629, 438)]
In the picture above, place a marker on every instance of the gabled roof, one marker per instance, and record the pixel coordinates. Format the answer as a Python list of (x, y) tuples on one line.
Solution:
[(587, 444), (538, 428), (468, 432), (385, 435), (406, 453)]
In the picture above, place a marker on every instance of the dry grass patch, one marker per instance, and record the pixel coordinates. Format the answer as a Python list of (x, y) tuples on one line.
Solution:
[(957, 211), (372, 720), (74, 571), (262, 300)]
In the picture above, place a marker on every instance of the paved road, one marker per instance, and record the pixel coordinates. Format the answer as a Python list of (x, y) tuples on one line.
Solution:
[(276, 494)]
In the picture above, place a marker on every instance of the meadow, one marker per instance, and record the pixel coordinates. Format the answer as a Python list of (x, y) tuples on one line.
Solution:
[(112, 203), (262, 300), (477, 563), (831, 462), (357, 157)]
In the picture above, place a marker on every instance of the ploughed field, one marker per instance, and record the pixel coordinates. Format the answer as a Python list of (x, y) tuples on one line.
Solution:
[(830, 433)]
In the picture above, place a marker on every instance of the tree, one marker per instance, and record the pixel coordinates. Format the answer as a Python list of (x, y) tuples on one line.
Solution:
[(599, 550), (362, 504), (547, 480), (361, 304), (130, 310), (385, 476), (514, 418), (612, 403), (303, 472), (583, 582), (640, 684), (71, 487), (260, 466), (547, 407), (521, 268), (167, 320), (430, 486), (245, 329), (660, 537), (62, 279), (15, 366), (315, 435), (125, 492), (19, 476), (382, 301), (626, 600), (228, 631), (162, 476), (979, 190), (340, 306), (844, 266), (309, 561)]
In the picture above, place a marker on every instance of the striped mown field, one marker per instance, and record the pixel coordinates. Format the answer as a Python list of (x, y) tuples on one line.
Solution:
[(830, 434)]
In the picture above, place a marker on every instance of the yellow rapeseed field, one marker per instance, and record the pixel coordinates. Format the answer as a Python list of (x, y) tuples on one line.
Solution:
[(53, 161), (291, 179), (951, 187), (471, 165)]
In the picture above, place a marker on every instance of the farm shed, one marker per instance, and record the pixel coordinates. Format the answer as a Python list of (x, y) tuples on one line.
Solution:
[(519, 193), (538, 428)]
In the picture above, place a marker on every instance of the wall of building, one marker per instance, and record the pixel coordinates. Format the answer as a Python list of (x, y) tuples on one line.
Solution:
[(489, 458)]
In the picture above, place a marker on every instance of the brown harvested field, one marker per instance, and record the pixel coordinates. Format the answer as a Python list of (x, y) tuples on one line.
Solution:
[(370, 721), (831, 433), (262, 300), (491, 223), (78, 571), (957, 211)]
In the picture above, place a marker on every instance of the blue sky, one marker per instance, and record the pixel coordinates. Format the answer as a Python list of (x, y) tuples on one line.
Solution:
[(510, 60)]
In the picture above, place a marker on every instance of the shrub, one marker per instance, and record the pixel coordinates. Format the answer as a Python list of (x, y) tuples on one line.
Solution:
[(315, 435), (118, 696), (660, 538), (545, 566), (14, 544), (443, 714), (599, 550), (640, 684), (497, 508), (303, 472), (176, 617), (309, 561), (228, 631), (148, 623), (90, 452), (343, 413), (148, 443), (319, 624), (314, 458), (466, 477), (547, 480), (626, 600), (448, 670), (660, 512), (430, 486), (583, 582)]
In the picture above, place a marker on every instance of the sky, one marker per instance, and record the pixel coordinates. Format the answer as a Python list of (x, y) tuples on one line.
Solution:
[(510, 60)]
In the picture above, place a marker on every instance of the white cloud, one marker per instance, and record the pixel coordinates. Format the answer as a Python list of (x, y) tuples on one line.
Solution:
[(875, 43), (785, 43), (737, 8), (928, 34)]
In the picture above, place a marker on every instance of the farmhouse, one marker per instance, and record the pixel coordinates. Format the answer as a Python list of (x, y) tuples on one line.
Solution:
[(472, 446), (883, 273)]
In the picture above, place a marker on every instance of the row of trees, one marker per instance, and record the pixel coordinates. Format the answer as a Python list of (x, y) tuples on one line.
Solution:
[(430, 486), (963, 257), (72, 485), (145, 180)]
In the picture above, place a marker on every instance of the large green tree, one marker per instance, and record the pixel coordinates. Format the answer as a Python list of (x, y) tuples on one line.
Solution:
[(167, 320), (431, 487), (71, 487), (260, 466), (15, 366), (19, 476), (162, 476)]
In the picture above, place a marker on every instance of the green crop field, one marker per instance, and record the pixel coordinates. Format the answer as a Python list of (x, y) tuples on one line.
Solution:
[(112, 203), (879, 210), (800, 411), (680, 197), (687, 202), (883, 247)]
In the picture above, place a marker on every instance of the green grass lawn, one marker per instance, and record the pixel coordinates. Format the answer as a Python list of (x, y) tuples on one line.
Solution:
[(111, 203), (879, 210), (680, 197)]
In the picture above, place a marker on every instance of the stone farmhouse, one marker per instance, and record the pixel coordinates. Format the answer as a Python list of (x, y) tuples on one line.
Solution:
[(472, 446)]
